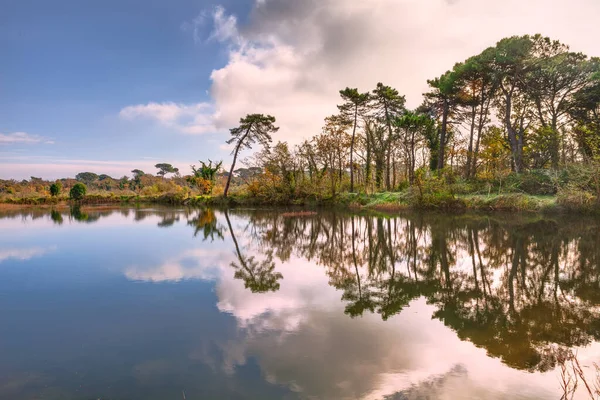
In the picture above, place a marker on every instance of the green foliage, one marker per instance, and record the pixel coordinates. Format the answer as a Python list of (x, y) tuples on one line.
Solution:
[(574, 199), (535, 182), (164, 169), (204, 177), (432, 191), (86, 177), (56, 188), (253, 128), (78, 191)]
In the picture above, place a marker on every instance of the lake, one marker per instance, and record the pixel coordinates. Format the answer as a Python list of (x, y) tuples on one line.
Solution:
[(163, 303)]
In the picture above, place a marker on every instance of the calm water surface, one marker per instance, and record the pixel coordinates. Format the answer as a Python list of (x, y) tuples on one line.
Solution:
[(250, 304)]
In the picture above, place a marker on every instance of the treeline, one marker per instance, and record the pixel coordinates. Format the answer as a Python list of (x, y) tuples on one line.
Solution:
[(528, 106), (167, 180), (522, 116)]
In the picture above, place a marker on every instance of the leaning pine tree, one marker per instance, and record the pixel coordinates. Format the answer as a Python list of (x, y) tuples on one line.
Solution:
[(253, 128)]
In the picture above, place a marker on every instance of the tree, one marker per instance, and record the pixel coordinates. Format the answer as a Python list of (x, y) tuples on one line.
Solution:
[(479, 89), (414, 127), (331, 148), (165, 169), (555, 75), (354, 106), (204, 177), (78, 191), (137, 173), (443, 98), (510, 63), (86, 177), (55, 188), (137, 179), (253, 128), (376, 143), (585, 114), (386, 103)]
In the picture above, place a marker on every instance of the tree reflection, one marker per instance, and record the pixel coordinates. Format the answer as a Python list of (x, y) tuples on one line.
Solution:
[(518, 288), (205, 221), (56, 217), (258, 276)]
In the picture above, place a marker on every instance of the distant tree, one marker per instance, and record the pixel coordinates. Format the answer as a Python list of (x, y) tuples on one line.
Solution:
[(137, 173), (165, 169), (86, 177), (55, 188), (123, 182), (78, 191), (137, 179), (355, 104), (253, 128), (103, 177), (36, 179)]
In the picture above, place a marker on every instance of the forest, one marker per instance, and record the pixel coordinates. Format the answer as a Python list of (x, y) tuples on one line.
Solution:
[(516, 126)]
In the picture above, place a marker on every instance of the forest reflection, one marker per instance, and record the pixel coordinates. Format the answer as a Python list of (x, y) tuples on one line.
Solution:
[(523, 288)]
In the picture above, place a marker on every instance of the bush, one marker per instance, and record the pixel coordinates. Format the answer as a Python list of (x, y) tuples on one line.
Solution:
[(433, 192), (55, 188), (536, 182), (78, 191), (575, 199)]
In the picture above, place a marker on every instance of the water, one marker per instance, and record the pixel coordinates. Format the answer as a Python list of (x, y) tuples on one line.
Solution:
[(251, 304)]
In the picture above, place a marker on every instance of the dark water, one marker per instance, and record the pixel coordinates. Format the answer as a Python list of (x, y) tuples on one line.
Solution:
[(200, 304)]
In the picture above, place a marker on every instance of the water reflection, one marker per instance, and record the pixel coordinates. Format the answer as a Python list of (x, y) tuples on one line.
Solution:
[(517, 289), (326, 306)]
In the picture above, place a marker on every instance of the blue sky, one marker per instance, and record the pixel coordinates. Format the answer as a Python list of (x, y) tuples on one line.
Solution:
[(70, 66), (109, 86)]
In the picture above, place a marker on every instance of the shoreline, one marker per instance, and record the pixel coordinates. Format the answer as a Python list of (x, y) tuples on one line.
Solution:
[(387, 202)]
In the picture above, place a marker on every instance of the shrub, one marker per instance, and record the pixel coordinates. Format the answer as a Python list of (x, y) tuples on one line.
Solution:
[(575, 199), (536, 182), (78, 191), (433, 191), (55, 188)]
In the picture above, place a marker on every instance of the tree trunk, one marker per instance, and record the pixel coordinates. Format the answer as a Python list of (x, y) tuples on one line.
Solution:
[(389, 149), (237, 149), (470, 150), (352, 150), (443, 134), (231, 170), (515, 147)]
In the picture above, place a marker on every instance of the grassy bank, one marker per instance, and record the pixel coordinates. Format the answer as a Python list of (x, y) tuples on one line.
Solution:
[(385, 202)]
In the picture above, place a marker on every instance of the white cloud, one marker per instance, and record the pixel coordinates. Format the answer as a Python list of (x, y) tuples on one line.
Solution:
[(292, 57), (23, 254), (22, 137), (194, 118), (225, 26), (204, 264)]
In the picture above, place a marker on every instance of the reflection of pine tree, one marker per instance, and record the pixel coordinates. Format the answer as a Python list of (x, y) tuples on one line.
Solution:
[(516, 288), (259, 277)]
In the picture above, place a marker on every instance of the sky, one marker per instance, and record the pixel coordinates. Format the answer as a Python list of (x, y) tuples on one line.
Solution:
[(117, 85)]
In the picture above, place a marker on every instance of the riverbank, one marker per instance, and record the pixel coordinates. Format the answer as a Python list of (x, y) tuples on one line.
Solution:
[(384, 202)]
